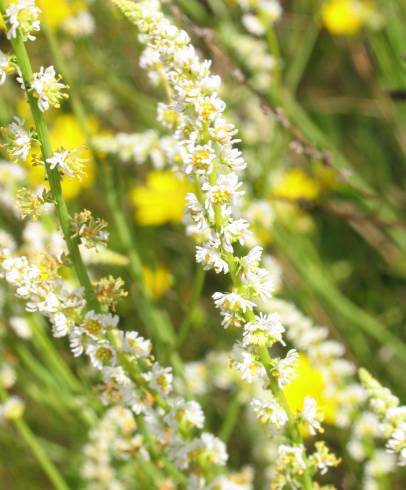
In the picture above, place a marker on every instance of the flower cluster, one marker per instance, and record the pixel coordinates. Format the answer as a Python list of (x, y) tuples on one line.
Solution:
[(138, 147), (391, 414), (210, 158), (259, 14)]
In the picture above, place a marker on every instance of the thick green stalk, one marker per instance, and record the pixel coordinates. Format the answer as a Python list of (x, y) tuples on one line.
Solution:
[(32, 442)]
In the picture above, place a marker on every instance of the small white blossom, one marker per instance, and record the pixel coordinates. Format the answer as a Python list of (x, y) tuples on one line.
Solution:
[(311, 416), (250, 368), (286, 368), (5, 67), (23, 15), (270, 412), (19, 140), (232, 302), (134, 344), (47, 88), (211, 259), (160, 379), (101, 354), (67, 162), (266, 330), (213, 449)]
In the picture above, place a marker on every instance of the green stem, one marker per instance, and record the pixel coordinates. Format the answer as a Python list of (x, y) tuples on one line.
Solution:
[(231, 418), (52, 174), (31, 440), (293, 429), (157, 455), (187, 322), (55, 186), (156, 323), (53, 357)]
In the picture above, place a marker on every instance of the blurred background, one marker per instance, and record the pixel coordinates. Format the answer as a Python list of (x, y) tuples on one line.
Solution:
[(320, 101)]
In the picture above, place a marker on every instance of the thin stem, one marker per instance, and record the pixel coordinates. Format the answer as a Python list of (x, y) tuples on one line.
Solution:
[(187, 322), (60, 204), (156, 323), (292, 426), (53, 357), (38, 451), (52, 174), (231, 418)]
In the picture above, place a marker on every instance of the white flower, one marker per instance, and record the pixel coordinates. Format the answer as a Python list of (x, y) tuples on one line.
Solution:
[(19, 145), (251, 261), (67, 162), (21, 327), (101, 354), (5, 67), (250, 369), (232, 158), (292, 455), (270, 412), (198, 159), (261, 283), (209, 108), (47, 88), (311, 416), (232, 302), (286, 368), (213, 449), (235, 231), (224, 192), (266, 330), (253, 24), (397, 443), (23, 15), (186, 412), (94, 324), (81, 25), (134, 344), (160, 379), (60, 324), (211, 259)]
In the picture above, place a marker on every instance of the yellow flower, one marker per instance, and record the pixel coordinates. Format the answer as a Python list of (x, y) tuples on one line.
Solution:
[(157, 280), (310, 382), (66, 132), (161, 200), (55, 12), (346, 17), (295, 184)]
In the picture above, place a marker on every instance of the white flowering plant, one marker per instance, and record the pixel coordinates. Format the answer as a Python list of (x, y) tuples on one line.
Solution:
[(167, 210)]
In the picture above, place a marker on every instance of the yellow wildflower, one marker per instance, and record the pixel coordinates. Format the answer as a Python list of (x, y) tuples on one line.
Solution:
[(55, 12), (161, 200), (346, 17), (295, 184), (157, 280), (65, 132), (310, 382)]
